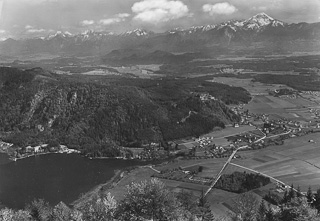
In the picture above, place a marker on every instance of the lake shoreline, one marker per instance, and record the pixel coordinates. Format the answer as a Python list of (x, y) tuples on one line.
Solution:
[(85, 197), (108, 186)]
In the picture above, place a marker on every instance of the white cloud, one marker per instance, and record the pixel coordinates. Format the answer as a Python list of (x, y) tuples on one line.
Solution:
[(37, 1), (33, 30), (2, 31), (223, 8), (116, 19), (109, 21), (260, 8), (155, 11), (87, 22), (123, 15), (28, 27)]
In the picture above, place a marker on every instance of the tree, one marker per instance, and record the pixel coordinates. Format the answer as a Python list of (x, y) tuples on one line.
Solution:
[(285, 198), (40, 210), (150, 200), (261, 213), (299, 194), (246, 206), (292, 193), (188, 201), (101, 207), (270, 215), (316, 202), (61, 212), (11, 215), (298, 209), (309, 195), (204, 212)]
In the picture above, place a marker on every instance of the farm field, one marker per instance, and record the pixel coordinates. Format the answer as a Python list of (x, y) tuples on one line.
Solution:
[(292, 109), (296, 162), (218, 137), (220, 201), (141, 71), (276, 107), (254, 88), (136, 175), (229, 131), (189, 163)]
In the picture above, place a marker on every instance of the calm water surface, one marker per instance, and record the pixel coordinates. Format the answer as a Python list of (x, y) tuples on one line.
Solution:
[(53, 177)]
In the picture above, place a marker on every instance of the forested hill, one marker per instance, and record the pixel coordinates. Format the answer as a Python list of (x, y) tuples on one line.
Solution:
[(98, 114)]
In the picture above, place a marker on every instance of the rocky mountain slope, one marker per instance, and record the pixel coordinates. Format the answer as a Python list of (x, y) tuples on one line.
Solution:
[(98, 116)]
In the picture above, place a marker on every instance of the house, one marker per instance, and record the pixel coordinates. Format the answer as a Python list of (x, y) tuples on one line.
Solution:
[(29, 149), (37, 149)]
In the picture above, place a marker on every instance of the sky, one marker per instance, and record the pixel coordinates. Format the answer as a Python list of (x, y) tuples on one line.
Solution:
[(30, 18)]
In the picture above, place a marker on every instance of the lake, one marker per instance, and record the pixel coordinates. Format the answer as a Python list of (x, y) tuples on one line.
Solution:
[(53, 177)]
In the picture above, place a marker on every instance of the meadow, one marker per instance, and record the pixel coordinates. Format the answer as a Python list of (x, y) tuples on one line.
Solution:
[(295, 162)]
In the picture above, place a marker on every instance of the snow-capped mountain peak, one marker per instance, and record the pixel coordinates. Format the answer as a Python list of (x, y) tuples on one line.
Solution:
[(137, 32), (260, 21), (60, 34), (201, 28)]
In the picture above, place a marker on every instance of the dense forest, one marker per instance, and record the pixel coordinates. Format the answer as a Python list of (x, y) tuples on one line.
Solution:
[(241, 182), (98, 114)]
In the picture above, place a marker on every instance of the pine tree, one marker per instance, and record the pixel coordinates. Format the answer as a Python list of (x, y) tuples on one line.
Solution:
[(205, 213), (285, 197), (292, 193), (316, 202), (299, 194), (261, 214), (269, 214), (309, 195)]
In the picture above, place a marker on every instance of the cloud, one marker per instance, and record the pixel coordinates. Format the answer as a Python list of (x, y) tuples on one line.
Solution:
[(260, 8), (223, 8), (2, 31), (116, 19), (28, 27), (37, 1), (33, 30), (87, 22), (155, 11), (123, 15), (109, 21)]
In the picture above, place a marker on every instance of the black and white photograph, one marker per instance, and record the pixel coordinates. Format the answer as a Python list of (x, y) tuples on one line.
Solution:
[(159, 110)]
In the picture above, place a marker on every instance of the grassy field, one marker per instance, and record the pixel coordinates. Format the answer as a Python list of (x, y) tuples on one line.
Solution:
[(136, 175), (296, 162), (141, 71), (277, 108), (254, 88)]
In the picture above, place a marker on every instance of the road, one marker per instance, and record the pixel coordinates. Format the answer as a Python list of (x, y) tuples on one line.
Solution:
[(263, 174), (280, 134), (223, 168), (231, 157), (152, 169)]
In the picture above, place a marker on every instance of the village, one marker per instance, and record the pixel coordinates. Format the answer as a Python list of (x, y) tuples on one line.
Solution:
[(18, 153)]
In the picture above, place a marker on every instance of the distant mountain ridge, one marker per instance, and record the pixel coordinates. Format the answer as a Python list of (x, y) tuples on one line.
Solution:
[(261, 30)]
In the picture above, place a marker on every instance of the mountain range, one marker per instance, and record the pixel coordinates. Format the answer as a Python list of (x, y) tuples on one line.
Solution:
[(258, 32)]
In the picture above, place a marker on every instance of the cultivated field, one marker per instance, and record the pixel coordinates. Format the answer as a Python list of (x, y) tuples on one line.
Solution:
[(296, 162), (276, 107), (254, 88), (136, 175), (141, 71)]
